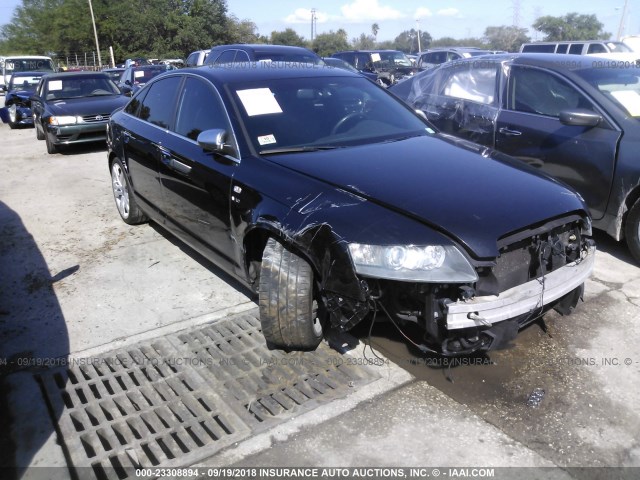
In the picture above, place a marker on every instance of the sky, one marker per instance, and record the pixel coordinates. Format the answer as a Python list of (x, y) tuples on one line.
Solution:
[(441, 18)]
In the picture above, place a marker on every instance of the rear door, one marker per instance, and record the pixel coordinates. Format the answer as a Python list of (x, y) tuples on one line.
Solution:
[(529, 128), (144, 132), (197, 183)]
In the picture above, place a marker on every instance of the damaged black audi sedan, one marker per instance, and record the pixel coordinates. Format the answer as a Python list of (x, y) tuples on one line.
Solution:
[(335, 201)]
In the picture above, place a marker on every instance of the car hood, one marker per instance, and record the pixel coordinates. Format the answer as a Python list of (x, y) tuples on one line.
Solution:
[(87, 105), (475, 198)]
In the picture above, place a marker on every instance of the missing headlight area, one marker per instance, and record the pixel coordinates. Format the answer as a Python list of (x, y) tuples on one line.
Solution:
[(538, 269)]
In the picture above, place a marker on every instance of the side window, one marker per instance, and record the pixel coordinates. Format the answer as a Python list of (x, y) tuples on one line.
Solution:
[(452, 56), (597, 48), (157, 107), (576, 48), (192, 59), (475, 84), (241, 56), (199, 109), (562, 48), (226, 57), (538, 91)]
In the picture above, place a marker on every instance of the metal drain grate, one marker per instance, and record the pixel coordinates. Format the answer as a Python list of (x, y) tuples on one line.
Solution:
[(268, 386), (177, 400), (138, 408)]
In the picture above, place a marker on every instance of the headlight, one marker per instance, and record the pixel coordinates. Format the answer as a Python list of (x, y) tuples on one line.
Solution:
[(430, 263), (64, 120)]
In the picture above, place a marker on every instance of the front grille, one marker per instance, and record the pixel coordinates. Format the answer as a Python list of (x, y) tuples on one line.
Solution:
[(531, 257), (101, 117)]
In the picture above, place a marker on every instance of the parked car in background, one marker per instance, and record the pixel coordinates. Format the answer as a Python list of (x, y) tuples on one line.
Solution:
[(436, 56), (23, 63), (225, 54), (339, 63), (17, 100), (114, 73), (600, 48), (574, 117), (197, 58), (134, 78), (364, 209), (390, 66), (74, 107)]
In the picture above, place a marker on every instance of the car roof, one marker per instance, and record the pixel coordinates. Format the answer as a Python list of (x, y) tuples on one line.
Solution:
[(249, 71), (29, 74), (555, 61), (260, 47), (80, 74), (369, 51)]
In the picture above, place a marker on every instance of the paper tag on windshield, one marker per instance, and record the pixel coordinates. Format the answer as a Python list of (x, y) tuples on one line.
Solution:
[(55, 85), (259, 101), (375, 57), (266, 139), (138, 73)]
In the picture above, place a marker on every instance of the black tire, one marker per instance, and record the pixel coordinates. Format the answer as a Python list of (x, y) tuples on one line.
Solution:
[(288, 312), (123, 195), (39, 135), (632, 230), (51, 147)]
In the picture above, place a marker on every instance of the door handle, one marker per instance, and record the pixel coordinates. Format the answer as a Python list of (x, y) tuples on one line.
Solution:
[(510, 133), (167, 159)]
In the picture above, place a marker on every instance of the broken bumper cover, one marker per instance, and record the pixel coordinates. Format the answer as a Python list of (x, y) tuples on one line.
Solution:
[(488, 310)]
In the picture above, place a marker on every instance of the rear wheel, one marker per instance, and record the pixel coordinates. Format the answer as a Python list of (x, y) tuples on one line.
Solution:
[(127, 207), (632, 230), (288, 312)]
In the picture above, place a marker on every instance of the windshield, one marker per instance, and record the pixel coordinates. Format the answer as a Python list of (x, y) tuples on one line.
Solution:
[(397, 59), (16, 64), (622, 85), (21, 83), (77, 87), (617, 47), (321, 112)]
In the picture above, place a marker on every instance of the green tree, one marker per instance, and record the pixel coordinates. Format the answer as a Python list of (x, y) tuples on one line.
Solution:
[(572, 26), (375, 28), (161, 28), (407, 41), (326, 44), (288, 37), (364, 42), (507, 38)]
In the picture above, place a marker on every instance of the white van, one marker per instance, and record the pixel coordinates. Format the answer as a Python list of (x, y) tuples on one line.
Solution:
[(599, 48)]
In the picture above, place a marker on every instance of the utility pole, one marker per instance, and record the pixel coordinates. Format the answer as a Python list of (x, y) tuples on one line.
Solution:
[(418, 25), (313, 22), (95, 34), (622, 21)]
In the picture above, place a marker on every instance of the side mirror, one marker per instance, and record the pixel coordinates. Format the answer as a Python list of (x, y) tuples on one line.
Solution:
[(580, 117), (4, 88), (421, 114), (215, 141), (126, 90)]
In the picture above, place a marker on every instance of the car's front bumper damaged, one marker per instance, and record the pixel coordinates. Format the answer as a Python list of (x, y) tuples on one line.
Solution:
[(522, 299)]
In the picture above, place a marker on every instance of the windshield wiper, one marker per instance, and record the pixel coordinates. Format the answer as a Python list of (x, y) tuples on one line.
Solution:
[(308, 148)]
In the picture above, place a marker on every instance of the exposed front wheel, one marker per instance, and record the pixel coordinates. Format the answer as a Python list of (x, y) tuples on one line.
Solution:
[(288, 312), (51, 147), (127, 207), (632, 230), (13, 116), (39, 134)]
